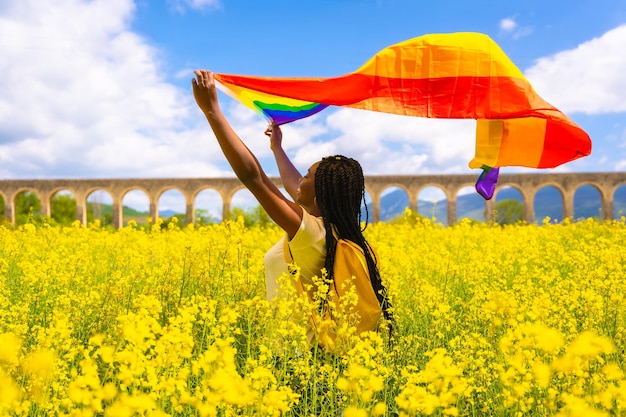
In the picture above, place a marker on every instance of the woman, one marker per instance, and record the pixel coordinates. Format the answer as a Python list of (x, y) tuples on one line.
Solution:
[(326, 206)]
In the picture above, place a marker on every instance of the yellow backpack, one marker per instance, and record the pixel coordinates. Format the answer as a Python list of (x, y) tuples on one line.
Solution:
[(350, 269)]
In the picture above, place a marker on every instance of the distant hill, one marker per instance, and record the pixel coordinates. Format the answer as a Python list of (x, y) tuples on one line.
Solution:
[(107, 209), (168, 213), (129, 212), (548, 203)]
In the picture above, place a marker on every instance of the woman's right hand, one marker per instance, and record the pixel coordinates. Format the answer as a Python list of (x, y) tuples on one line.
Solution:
[(276, 136)]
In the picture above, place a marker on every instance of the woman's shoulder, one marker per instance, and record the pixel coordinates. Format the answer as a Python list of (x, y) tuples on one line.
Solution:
[(308, 218), (311, 229)]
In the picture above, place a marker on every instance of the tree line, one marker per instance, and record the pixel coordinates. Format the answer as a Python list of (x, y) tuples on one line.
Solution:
[(63, 213)]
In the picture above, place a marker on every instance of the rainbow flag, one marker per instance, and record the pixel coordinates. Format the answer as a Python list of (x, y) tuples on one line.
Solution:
[(450, 76)]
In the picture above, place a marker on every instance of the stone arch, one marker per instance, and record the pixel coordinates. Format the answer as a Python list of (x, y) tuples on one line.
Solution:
[(400, 197), (55, 190), (242, 199), (182, 210), (509, 185), (528, 197), (472, 203), (454, 188), (593, 209), (96, 208), (21, 218), (227, 196), (58, 213), (446, 192), (218, 211), (618, 197), (556, 209), (3, 203), (430, 206), (151, 209), (510, 192)]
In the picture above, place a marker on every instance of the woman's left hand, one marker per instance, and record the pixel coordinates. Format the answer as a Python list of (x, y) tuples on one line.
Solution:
[(275, 135), (204, 91)]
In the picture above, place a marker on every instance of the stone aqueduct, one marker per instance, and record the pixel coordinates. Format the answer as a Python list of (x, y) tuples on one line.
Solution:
[(527, 184)]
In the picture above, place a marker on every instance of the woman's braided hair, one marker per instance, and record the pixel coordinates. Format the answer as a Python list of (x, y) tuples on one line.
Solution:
[(339, 192)]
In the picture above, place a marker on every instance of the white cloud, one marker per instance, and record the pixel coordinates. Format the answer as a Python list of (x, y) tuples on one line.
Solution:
[(508, 24), (588, 79), (182, 5), (84, 96), (201, 4), (510, 27)]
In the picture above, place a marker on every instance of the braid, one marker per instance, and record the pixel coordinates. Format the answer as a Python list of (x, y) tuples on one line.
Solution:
[(340, 191)]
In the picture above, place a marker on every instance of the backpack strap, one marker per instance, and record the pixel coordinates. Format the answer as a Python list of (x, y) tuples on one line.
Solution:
[(287, 255), (351, 269), (292, 271)]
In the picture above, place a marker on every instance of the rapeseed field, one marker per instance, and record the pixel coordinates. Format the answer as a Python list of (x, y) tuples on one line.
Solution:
[(519, 320)]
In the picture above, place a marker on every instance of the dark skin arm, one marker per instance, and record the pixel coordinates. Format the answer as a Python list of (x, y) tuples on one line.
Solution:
[(287, 214), (288, 172)]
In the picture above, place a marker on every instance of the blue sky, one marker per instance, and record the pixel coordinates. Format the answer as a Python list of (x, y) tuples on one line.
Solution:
[(101, 88)]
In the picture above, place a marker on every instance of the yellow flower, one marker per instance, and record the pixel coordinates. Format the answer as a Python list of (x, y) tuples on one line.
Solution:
[(543, 373), (613, 372), (590, 345), (379, 409), (577, 407), (10, 346), (9, 394), (106, 353), (144, 321), (40, 363), (353, 411)]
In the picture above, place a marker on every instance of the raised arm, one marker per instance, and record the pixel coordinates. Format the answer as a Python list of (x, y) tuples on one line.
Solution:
[(285, 213), (288, 172)]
